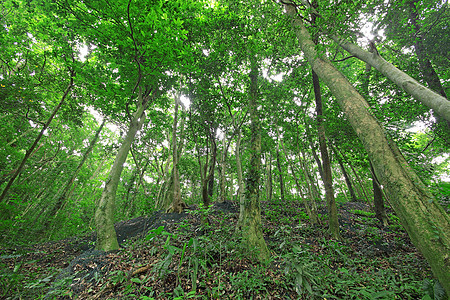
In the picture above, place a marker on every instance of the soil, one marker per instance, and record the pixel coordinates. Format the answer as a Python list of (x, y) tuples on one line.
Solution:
[(84, 265)]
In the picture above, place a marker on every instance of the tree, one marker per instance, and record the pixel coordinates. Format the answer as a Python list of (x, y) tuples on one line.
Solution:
[(419, 212), (252, 237)]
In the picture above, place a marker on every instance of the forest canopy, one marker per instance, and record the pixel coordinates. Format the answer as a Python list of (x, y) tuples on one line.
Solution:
[(112, 110)]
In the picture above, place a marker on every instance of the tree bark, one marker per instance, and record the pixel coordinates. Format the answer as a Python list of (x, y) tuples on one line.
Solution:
[(252, 234), (104, 214), (177, 204), (269, 177), (423, 218), (378, 203), (280, 175), (428, 72), (333, 223), (240, 178), (223, 158)]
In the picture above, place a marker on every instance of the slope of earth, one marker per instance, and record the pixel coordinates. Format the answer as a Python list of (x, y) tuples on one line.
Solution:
[(197, 254)]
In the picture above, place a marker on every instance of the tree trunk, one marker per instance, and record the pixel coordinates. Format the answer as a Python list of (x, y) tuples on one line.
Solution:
[(177, 204), (38, 138), (378, 203), (240, 179), (269, 178), (104, 214), (333, 223), (423, 218), (344, 172), (421, 93), (252, 235), (65, 193), (280, 175), (223, 168), (212, 166)]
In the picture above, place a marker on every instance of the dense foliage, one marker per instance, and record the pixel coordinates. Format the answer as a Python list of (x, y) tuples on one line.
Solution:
[(74, 74)]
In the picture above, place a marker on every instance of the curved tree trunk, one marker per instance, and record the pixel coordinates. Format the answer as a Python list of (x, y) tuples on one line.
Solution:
[(104, 214), (423, 218)]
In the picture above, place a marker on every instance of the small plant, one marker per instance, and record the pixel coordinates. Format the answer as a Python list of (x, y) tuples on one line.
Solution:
[(362, 213), (203, 213), (299, 272), (433, 290)]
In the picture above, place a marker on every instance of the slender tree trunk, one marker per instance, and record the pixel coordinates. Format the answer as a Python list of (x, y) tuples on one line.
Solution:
[(38, 138), (252, 235), (314, 153), (333, 223), (240, 178), (421, 93), (104, 214), (344, 172), (212, 167), (310, 209), (269, 178), (177, 204), (64, 195), (423, 218), (380, 212), (280, 176), (222, 169)]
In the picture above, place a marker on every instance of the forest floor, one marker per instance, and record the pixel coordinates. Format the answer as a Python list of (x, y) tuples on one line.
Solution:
[(197, 254)]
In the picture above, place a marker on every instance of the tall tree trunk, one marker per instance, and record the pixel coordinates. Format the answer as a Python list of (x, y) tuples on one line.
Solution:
[(38, 138), (269, 177), (223, 168), (280, 175), (212, 167), (252, 234), (423, 218), (104, 214), (333, 223), (177, 204), (240, 178)]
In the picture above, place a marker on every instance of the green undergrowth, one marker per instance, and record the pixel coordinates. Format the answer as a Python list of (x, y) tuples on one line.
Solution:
[(202, 258)]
